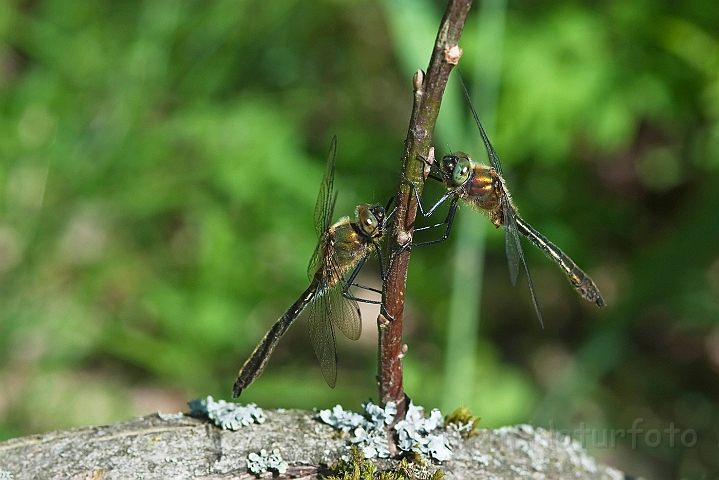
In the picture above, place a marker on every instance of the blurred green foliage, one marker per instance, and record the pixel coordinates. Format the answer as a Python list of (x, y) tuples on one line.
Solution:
[(159, 164)]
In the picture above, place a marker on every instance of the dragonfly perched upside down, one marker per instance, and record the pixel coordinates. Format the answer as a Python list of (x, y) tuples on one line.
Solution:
[(484, 188), (343, 247)]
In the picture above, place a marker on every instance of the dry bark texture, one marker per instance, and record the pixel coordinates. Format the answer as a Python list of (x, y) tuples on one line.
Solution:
[(152, 448)]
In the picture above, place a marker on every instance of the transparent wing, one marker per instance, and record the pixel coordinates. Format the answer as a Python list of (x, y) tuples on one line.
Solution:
[(493, 158), (325, 202), (515, 251), (349, 319), (317, 257), (345, 311), (322, 335), (513, 244)]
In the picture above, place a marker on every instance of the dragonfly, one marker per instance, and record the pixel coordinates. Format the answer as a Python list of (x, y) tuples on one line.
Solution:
[(484, 188), (342, 247)]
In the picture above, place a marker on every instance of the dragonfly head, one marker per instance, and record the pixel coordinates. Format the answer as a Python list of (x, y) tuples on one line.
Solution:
[(371, 219), (456, 168)]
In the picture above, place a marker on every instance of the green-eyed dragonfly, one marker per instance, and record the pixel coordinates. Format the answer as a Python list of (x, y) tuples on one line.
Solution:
[(343, 247), (484, 188)]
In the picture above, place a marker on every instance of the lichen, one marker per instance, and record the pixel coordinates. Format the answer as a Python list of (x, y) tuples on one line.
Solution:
[(228, 416), (368, 431), (415, 434), (170, 416), (265, 462)]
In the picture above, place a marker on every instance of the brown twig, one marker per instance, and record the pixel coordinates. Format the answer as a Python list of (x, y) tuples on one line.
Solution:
[(429, 89)]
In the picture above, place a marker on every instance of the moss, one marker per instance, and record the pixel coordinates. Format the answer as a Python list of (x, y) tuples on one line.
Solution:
[(360, 469), (463, 416), (356, 469)]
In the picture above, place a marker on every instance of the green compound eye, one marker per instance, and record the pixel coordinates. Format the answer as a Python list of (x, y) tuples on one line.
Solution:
[(368, 221), (460, 174)]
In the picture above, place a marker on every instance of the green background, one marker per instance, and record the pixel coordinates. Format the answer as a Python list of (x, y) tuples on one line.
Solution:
[(160, 161)]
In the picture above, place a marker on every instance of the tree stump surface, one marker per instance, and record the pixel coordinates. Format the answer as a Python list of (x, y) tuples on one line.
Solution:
[(151, 447)]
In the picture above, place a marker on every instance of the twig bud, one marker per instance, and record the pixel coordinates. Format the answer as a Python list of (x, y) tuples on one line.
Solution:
[(452, 54), (418, 79)]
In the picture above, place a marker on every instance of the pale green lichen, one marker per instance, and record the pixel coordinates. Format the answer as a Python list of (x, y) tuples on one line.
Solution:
[(368, 431), (228, 416), (265, 462)]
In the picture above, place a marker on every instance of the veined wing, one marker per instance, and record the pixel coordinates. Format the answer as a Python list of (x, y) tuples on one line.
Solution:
[(493, 158), (331, 308), (317, 256), (324, 209), (513, 244), (511, 240), (325, 202), (515, 253), (322, 335), (345, 311)]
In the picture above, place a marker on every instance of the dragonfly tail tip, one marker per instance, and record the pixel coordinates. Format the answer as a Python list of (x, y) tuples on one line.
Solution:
[(236, 391)]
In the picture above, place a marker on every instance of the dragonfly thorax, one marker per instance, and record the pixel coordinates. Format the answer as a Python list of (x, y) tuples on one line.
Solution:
[(484, 188)]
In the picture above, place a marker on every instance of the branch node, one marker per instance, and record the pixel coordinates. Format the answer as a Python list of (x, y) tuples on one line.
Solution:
[(452, 54), (428, 162), (404, 238)]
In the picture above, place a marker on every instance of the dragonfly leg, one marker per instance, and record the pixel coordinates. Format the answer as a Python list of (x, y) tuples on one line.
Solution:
[(347, 294), (429, 212), (383, 275), (351, 283), (448, 221), (386, 209)]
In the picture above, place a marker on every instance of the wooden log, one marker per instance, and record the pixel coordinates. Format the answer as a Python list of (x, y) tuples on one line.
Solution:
[(171, 447)]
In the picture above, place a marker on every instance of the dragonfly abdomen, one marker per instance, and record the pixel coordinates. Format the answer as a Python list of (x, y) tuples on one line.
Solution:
[(258, 360), (579, 280)]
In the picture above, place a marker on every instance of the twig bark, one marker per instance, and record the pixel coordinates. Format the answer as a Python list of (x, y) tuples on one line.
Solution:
[(429, 89)]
